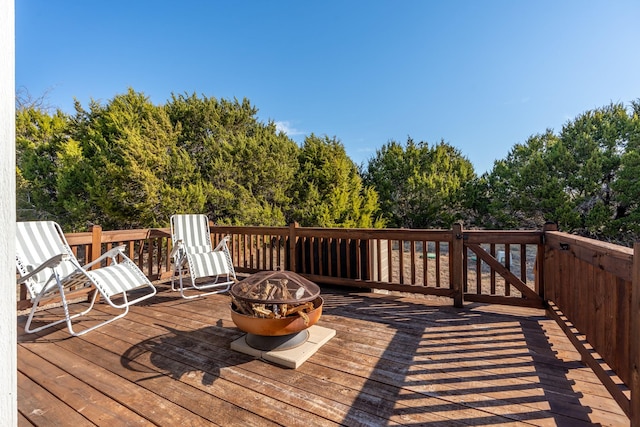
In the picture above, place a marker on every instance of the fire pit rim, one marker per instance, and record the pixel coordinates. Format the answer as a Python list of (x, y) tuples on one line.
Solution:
[(311, 288)]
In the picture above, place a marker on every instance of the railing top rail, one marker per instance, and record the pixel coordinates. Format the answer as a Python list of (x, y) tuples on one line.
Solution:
[(612, 258), (114, 236), (596, 245), (249, 229), (376, 233), (472, 236), (504, 236), (78, 238)]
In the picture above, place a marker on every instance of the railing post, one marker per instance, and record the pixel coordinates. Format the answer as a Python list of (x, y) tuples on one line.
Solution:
[(635, 338), (456, 264), (541, 256), (96, 243), (293, 243)]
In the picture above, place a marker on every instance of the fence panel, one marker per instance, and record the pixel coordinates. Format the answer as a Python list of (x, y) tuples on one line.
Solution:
[(589, 286)]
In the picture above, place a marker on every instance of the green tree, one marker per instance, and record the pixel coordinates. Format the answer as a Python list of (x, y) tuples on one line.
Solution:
[(419, 186), (527, 188), (39, 138), (575, 179), (627, 184), (249, 167), (329, 189), (73, 174), (137, 175), (596, 140)]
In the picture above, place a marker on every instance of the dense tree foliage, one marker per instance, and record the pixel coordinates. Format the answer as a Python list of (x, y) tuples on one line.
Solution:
[(420, 186), (39, 139), (583, 179), (527, 188), (329, 189), (129, 163), (248, 166), (138, 175)]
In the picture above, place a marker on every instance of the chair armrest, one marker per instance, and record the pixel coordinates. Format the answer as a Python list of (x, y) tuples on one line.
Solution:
[(222, 245), (50, 263), (111, 253), (179, 244)]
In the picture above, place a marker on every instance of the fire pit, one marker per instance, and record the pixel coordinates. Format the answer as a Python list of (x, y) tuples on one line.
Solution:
[(275, 309)]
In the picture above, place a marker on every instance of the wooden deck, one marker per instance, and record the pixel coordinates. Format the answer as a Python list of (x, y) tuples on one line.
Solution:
[(394, 361)]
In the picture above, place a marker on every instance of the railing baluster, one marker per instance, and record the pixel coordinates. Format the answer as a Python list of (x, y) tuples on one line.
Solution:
[(358, 259), (339, 257), (523, 263), (330, 257), (438, 279), (507, 264), (478, 275), (348, 243), (378, 243), (322, 271), (425, 263), (465, 271), (492, 252), (401, 259), (390, 259), (412, 248), (150, 252)]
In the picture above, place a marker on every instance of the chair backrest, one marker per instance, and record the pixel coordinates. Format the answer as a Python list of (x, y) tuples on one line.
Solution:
[(193, 230), (37, 242)]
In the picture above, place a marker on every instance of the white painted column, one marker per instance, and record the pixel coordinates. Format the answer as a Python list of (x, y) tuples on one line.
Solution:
[(8, 363)]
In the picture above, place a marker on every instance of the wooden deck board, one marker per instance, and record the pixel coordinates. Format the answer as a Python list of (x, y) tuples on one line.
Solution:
[(91, 403), (395, 360)]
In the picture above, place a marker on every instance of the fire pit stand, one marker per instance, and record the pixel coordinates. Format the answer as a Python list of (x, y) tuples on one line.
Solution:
[(277, 343)]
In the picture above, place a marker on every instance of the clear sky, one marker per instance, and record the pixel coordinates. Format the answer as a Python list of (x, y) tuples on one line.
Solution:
[(482, 75)]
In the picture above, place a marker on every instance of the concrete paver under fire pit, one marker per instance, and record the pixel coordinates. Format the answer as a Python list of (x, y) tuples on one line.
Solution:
[(293, 357)]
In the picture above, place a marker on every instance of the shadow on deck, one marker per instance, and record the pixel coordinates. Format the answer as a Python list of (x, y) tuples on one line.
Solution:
[(394, 360)]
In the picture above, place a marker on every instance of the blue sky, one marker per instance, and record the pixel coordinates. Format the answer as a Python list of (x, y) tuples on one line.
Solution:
[(480, 75)]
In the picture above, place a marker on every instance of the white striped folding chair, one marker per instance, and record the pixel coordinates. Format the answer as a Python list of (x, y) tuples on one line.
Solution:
[(210, 269), (46, 265)]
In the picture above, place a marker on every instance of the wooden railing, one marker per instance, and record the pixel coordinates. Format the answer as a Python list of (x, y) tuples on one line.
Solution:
[(592, 292), (591, 288), (484, 266)]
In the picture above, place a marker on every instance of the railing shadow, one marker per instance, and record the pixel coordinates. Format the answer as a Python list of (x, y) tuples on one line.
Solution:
[(463, 366), (441, 366)]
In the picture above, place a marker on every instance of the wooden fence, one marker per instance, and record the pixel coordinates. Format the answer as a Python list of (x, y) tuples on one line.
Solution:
[(591, 288), (593, 294), (486, 266)]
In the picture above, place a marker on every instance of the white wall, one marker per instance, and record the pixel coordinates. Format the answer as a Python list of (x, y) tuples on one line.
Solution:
[(8, 364)]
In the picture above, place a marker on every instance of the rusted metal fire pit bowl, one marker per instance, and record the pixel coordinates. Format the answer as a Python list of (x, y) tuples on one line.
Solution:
[(275, 309)]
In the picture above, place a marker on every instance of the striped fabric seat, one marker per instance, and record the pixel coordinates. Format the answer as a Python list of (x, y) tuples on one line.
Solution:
[(210, 269), (208, 264), (198, 249), (115, 279), (46, 265), (36, 243)]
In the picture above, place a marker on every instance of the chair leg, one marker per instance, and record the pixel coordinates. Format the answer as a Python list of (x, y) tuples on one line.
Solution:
[(119, 316), (125, 305), (222, 287), (68, 317), (179, 271), (27, 326), (193, 286), (173, 278)]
